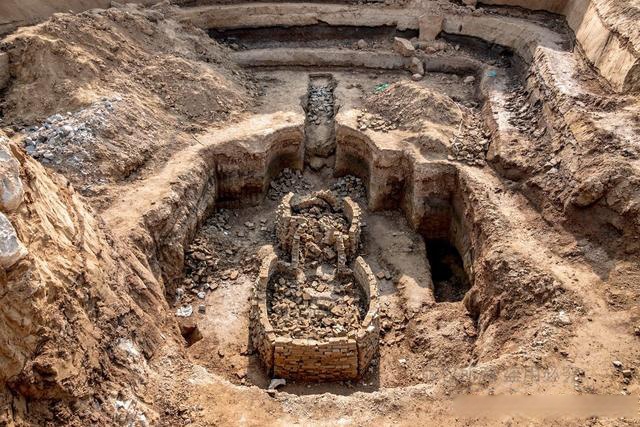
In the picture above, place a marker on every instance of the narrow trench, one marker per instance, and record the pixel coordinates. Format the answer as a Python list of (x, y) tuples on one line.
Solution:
[(450, 281), (319, 128), (317, 36)]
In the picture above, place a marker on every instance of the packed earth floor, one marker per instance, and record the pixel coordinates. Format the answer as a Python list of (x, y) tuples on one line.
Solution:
[(147, 155)]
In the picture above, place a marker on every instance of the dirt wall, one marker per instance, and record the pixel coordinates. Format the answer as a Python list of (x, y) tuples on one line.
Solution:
[(4, 70), (607, 41), (18, 13), (61, 300), (555, 6)]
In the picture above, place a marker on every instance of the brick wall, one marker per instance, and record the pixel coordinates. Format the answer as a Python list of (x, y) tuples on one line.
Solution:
[(368, 336), (354, 215), (310, 360), (260, 330), (338, 358), (287, 222)]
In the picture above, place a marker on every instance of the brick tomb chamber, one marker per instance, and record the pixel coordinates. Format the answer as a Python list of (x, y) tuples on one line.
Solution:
[(314, 310)]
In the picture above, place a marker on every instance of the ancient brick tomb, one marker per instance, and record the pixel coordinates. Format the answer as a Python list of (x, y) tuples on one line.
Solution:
[(314, 317)]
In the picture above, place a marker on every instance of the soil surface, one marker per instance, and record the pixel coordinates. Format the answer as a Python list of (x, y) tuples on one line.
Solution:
[(142, 170)]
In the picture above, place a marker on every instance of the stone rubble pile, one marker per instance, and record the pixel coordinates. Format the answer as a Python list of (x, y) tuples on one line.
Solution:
[(317, 235), (351, 186), (287, 181), (218, 221), (470, 144), (317, 228), (316, 308), (321, 104), (375, 122), (525, 116), (309, 233), (207, 264), (392, 326), (67, 139), (200, 265)]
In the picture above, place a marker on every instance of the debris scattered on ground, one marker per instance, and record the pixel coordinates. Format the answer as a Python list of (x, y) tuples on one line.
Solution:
[(287, 181), (184, 311), (277, 382), (470, 143), (69, 141), (351, 186)]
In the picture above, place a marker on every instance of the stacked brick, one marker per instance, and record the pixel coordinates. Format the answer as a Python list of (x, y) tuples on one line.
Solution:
[(309, 360), (368, 336), (332, 359), (287, 223), (261, 332), (354, 215), (285, 230)]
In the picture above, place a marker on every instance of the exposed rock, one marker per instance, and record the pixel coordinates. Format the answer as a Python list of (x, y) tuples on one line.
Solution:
[(11, 248), (11, 191), (276, 382), (184, 311), (416, 66), (316, 163), (4, 70), (430, 26), (563, 319), (589, 191), (403, 47)]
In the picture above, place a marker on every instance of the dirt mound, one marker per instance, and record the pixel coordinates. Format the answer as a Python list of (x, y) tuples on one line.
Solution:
[(76, 312), (117, 90), (407, 106), (71, 61)]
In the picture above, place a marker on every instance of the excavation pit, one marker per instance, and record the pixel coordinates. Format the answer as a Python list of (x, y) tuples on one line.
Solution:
[(289, 319), (461, 209), (366, 202), (369, 201), (450, 281)]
